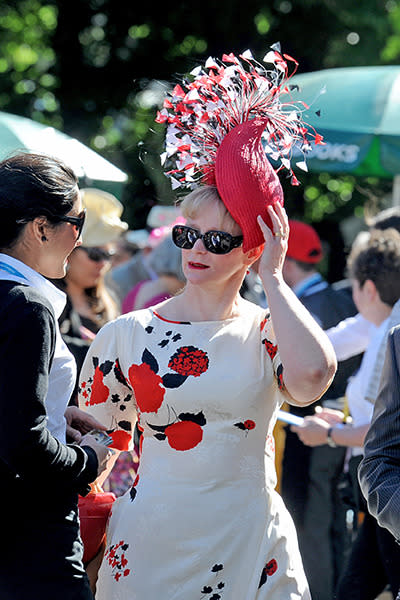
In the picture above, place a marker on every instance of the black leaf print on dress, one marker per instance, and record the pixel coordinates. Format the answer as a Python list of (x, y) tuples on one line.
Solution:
[(160, 436), (269, 569), (119, 376), (217, 568), (106, 367), (127, 398), (163, 343), (133, 493), (149, 329), (199, 418), (279, 373), (263, 578), (161, 428), (206, 590), (173, 380), (150, 360), (177, 337), (125, 425)]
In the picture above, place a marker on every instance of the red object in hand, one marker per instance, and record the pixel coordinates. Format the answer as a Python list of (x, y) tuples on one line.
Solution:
[(94, 510)]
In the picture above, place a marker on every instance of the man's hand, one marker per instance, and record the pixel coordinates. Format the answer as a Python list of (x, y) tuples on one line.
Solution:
[(79, 422), (105, 456)]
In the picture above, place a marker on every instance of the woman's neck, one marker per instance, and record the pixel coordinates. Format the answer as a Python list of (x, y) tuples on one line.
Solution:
[(201, 305)]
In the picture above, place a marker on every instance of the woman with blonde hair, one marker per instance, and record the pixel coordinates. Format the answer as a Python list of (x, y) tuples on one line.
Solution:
[(205, 372), (91, 302)]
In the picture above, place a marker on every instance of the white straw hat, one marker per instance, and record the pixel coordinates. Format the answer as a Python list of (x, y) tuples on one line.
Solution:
[(103, 211)]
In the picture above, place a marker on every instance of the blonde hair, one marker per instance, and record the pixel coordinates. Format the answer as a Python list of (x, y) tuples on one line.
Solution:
[(195, 202)]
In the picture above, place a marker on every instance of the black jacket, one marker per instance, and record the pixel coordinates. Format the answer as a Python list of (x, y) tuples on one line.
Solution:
[(34, 465)]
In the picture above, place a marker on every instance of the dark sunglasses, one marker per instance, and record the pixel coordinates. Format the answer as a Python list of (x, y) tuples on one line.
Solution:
[(97, 254), (78, 221), (217, 242)]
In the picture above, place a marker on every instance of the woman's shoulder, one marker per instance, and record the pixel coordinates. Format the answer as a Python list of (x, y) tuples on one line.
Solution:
[(122, 324), (23, 297), (251, 310)]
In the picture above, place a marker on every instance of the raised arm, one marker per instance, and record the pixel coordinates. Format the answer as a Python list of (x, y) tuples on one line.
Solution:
[(308, 358), (379, 471)]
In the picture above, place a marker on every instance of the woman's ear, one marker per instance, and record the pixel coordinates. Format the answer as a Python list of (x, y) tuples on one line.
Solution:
[(39, 228), (254, 254)]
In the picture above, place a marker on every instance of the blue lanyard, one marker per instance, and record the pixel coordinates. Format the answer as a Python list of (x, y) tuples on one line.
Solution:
[(11, 270)]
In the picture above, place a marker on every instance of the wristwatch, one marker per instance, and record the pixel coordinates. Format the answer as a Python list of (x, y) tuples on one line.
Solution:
[(329, 439)]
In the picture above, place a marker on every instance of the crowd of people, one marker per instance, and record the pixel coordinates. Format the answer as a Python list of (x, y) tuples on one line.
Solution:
[(153, 366)]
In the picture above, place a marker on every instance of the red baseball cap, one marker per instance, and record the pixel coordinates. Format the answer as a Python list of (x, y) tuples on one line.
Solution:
[(304, 243)]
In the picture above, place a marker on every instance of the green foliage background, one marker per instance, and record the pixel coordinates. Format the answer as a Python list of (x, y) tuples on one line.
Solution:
[(97, 69)]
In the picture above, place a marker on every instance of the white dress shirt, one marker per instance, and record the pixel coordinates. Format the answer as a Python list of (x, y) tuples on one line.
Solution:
[(360, 408)]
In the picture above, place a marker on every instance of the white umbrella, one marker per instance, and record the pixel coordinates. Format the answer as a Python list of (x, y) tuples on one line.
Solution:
[(19, 133)]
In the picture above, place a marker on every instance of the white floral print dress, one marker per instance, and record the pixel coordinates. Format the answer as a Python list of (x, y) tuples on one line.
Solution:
[(202, 520)]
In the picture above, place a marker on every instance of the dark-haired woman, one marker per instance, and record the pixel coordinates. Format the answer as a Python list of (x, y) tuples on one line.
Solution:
[(41, 220)]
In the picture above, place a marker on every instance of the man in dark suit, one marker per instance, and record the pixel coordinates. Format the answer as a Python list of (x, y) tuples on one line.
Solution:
[(379, 471), (310, 476)]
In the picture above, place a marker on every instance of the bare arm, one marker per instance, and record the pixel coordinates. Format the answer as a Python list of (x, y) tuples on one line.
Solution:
[(307, 355), (314, 432)]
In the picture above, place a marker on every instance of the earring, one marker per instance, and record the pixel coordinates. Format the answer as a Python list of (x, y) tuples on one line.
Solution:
[(44, 238)]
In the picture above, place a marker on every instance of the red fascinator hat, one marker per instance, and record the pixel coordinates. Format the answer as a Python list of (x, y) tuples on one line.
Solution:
[(246, 181), (223, 124)]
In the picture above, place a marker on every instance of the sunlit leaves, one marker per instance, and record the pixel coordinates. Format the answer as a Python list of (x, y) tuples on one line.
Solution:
[(262, 22), (139, 31), (26, 53), (188, 46)]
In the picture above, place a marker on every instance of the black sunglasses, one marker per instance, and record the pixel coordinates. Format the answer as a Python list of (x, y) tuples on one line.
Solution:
[(97, 254), (217, 242), (78, 221)]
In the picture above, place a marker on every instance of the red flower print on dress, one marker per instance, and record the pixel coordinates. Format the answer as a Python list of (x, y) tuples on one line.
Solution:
[(99, 392), (116, 558), (279, 374), (149, 393), (270, 444), (265, 321), (246, 425), (121, 439), (269, 569), (271, 348), (183, 434), (189, 360)]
